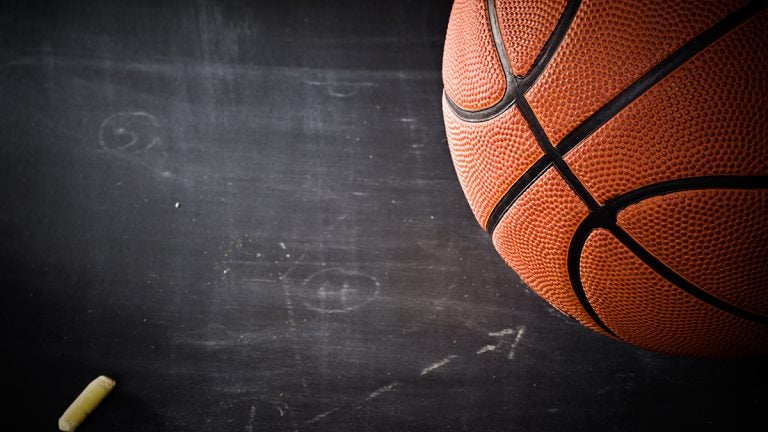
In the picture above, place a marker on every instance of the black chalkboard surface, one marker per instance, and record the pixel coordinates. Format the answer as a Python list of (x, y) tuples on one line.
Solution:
[(245, 212)]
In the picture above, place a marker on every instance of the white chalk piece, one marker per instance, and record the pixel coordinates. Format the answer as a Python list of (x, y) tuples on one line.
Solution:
[(86, 402)]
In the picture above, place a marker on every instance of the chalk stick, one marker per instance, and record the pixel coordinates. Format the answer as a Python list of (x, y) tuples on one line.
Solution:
[(86, 402)]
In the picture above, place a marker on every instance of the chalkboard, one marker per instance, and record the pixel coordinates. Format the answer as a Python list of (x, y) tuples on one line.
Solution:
[(246, 213)]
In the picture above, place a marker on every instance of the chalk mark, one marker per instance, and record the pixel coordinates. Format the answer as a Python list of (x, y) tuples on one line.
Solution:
[(335, 290), (509, 339), (486, 349), (341, 89), (373, 395), (381, 390), (321, 416), (129, 132), (251, 418), (431, 368), (506, 341)]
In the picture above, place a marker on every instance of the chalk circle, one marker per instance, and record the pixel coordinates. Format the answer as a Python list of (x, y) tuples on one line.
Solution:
[(130, 132), (337, 291)]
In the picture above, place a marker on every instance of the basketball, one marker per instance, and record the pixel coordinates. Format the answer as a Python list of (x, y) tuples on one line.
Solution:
[(616, 153)]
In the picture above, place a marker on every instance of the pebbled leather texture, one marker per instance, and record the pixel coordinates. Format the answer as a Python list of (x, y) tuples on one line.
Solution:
[(525, 26), (485, 164), (643, 308), (706, 118), (716, 239), (533, 238), (472, 73), (608, 46)]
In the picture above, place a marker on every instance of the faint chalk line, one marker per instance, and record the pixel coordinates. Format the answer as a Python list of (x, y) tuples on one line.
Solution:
[(437, 365), (291, 320), (486, 349), (321, 416), (251, 418), (381, 390), (520, 332), (503, 332), (376, 393)]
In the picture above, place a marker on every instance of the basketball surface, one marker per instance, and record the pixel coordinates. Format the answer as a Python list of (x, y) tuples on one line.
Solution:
[(616, 152)]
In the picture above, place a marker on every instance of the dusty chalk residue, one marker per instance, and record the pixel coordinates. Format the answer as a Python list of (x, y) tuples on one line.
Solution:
[(437, 365)]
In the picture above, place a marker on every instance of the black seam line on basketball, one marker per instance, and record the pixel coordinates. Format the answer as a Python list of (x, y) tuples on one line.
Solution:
[(521, 185), (627, 96), (541, 138), (578, 240), (679, 281), (615, 205), (658, 72), (551, 158), (540, 63), (551, 46), (576, 186), (606, 218), (508, 98)]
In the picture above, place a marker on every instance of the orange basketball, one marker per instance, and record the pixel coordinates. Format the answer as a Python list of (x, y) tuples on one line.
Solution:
[(617, 153)]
